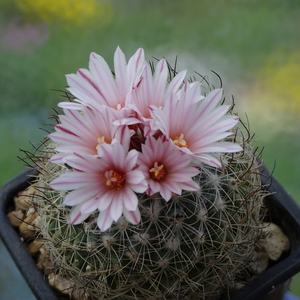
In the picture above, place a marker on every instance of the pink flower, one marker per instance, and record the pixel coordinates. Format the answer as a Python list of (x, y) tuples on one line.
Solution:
[(83, 132), (98, 86), (167, 170), (196, 125), (154, 89), (107, 183)]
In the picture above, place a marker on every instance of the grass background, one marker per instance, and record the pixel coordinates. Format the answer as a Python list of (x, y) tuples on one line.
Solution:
[(253, 45)]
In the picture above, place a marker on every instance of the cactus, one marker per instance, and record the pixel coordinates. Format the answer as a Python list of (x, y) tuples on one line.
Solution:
[(195, 245)]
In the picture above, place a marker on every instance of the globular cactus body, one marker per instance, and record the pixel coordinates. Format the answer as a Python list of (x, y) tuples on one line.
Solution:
[(196, 245)]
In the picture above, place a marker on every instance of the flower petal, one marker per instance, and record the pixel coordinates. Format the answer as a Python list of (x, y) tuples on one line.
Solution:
[(133, 217), (116, 206), (130, 199), (80, 195), (104, 220), (77, 216)]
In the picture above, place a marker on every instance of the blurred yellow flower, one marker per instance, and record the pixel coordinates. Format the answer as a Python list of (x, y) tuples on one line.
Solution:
[(274, 97), (76, 12), (279, 80)]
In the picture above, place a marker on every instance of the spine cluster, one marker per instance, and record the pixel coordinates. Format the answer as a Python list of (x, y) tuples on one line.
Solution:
[(147, 187), (196, 246)]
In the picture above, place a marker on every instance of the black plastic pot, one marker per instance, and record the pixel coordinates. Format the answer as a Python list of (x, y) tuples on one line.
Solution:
[(271, 284)]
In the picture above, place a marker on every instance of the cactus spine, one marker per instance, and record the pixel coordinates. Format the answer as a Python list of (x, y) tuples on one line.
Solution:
[(196, 246)]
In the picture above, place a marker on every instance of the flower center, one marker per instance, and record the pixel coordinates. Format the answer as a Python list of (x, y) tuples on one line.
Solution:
[(114, 180), (119, 106), (180, 141), (100, 140), (158, 172)]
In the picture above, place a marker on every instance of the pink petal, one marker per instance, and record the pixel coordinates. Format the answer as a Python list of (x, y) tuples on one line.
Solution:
[(103, 78), (90, 206), (173, 186), (61, 137), (86, 163), (70, 105), (183, 176), (118, 153), (72, 181), (121, 72), (209, 160), (83, 87), (130, 199), (123, 135), (165, 192), (116, 206), (140, 187), (134, 177), (77, 216), (160, 79), (154, 186), (105, 200), (71, 149), (104, 220), (175, 83), (207, 140), (80, 195), (210, 101), (225, 147), (135, 66), (57, 158), (133, 217), (189, 186)]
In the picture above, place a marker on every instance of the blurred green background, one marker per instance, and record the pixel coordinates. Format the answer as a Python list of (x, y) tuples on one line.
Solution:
[(253, 45)]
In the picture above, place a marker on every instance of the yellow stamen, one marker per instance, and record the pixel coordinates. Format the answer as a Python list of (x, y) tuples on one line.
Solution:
[(157, 172), (100, 140), (114, 180), (180, 141)]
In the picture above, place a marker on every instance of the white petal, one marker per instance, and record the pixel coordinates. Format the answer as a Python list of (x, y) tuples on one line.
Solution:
[(184, 176), (105, 200), (70, 105), (175, 83), (140, 187), (116, 206), (173, 186), (77, 216), (79, 196), (123, 135), (165, 193), (90, 206), (83, 87), (104, 220), (72, 181), (226, 147), (211, 100), (133, 217), (160, 79), (134, 177), (103, 78), (189, 186), (121, 73), (58, 158), (130, 199), (209, 160), (135, 66)]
